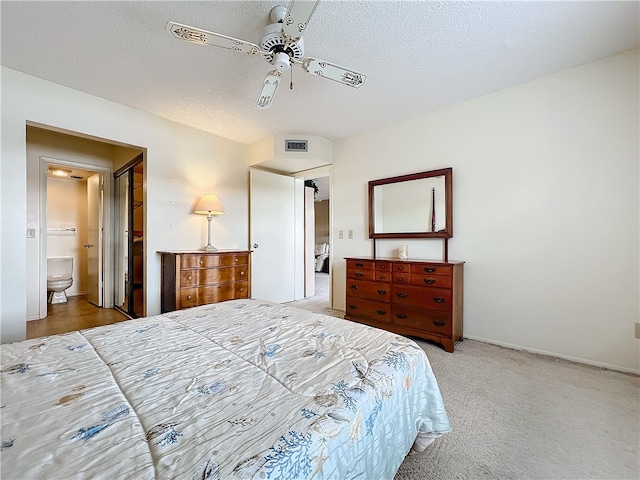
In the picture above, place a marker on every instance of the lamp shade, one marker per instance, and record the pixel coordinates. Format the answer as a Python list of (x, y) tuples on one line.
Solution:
[(209, 205)]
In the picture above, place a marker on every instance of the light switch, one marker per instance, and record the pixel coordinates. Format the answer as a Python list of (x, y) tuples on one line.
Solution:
[(351, 234), (340, 234)]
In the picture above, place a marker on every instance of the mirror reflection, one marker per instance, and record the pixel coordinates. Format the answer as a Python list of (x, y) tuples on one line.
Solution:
[(412, 206), (415, 205)]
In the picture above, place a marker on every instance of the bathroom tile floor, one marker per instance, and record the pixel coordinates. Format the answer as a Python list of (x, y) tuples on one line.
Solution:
[(76, 314)]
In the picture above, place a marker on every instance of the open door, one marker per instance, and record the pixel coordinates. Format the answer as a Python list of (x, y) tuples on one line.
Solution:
[(272, 222), (94, 239)]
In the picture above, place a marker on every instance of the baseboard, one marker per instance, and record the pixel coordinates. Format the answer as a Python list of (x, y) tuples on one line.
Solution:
[(555, 355)]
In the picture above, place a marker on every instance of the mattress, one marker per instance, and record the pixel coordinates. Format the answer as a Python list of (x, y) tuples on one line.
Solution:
[(239, 389)]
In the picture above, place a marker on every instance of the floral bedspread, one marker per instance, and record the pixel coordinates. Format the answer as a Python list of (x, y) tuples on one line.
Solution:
[(240, 389)]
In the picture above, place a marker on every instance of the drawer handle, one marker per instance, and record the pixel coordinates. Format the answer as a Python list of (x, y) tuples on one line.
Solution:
[(189, 277), (399, 279), (401, 294), (382, 267), (235, 260), (359, 264), (353, 287), (429, 281), (359, 274), (438, 323), (201, 261), (399, 267), (188, 297), (438, 300), (241, 289), (242, 272), (401, 315), (429, 270), (382, 292), (353, 307), (381, 312), (383, 277)]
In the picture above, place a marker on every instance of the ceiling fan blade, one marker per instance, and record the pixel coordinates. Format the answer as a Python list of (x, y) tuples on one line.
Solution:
[(334, 72), (204, 37), (297, 17), (269, 89)]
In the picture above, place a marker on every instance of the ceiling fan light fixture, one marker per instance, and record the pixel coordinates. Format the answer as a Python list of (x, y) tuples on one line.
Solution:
[(281, 45), (281, 61)]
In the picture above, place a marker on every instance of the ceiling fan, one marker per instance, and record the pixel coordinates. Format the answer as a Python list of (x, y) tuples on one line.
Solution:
[(281, 45)]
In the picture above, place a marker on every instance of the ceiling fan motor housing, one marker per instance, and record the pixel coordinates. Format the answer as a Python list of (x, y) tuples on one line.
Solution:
[(280, 52)]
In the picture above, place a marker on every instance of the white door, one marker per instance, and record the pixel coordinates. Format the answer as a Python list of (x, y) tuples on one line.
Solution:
[(94, 239), (272, 234)]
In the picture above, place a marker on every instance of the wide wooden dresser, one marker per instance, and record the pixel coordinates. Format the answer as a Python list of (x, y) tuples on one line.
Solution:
[(192, 278), (410, 297)]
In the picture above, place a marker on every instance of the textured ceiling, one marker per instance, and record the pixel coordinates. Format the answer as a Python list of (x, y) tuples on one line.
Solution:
[(418, 56)]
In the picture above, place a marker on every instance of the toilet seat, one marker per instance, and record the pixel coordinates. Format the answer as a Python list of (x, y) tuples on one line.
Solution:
[(59, 278)]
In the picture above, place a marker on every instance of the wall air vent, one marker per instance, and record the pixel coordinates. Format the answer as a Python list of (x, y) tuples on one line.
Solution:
[(296, 145)]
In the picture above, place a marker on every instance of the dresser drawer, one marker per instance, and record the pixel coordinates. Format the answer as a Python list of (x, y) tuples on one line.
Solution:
[(360, 264), (361, 274), (384, 266), (436, 298), (198, 277), (431, 269), (382, 276), (361, 308), (207, 261), (402, 267), (404, 278), (369, 290), (192, 297), (440, 281), (432, 321)]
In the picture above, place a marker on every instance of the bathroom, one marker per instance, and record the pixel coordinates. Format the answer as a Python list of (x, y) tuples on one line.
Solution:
[(68, 229)]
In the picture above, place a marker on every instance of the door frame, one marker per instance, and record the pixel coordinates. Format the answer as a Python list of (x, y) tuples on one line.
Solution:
[(107, 244)]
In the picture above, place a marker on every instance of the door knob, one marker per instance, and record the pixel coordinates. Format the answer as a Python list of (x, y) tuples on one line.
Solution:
[(87, 245), (255, 245)]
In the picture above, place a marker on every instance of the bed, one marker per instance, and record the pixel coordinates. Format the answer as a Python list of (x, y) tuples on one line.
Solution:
[(239, 389)]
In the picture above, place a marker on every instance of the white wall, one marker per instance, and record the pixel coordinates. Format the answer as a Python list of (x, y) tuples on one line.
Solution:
[(182, 163), (546, 209)]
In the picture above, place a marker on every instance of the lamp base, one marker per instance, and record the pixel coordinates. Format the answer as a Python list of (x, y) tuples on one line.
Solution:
[(209, 248)]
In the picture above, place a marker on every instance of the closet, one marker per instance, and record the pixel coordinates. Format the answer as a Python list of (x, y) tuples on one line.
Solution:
[(129, 228)]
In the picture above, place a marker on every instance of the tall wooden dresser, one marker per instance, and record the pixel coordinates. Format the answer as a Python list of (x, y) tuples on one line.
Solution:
[(192, 278), (409, 297)]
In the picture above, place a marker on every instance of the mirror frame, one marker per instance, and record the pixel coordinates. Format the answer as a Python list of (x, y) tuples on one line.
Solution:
[(448, 192)]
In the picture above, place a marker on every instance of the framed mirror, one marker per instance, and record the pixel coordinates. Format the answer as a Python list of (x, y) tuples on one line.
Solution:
[(417, 205)]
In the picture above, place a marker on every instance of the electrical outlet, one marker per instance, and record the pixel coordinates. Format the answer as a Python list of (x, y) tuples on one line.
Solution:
[(341, 234), (637, 329), (351, 234)]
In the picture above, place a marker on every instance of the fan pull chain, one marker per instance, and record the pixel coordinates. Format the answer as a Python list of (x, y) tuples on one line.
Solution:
[(291, 84)]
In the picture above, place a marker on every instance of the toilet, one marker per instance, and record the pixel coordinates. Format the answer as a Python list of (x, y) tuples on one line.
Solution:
[(59, 278)]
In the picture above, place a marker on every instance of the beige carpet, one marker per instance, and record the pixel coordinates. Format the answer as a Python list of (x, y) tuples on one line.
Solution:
[(516, 415)]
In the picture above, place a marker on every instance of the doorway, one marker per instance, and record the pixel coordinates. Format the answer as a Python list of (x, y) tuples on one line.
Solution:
[(321, 244), (319, 253), (72, 213), (80, 158)]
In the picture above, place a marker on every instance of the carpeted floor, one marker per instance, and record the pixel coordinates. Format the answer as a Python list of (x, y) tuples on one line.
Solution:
[(516, 415)]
